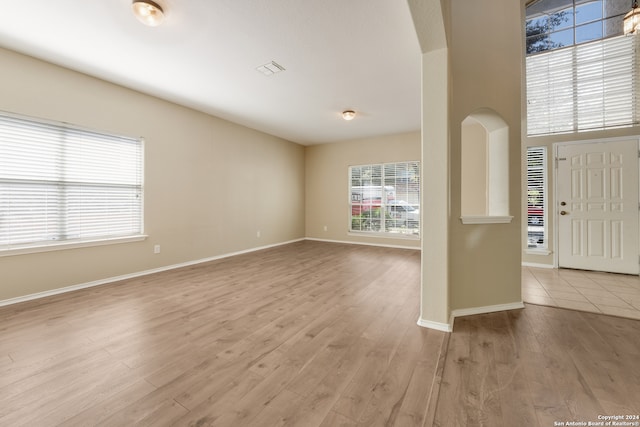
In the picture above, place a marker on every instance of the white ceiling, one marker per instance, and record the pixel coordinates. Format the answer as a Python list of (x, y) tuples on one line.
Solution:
[(338, 54)]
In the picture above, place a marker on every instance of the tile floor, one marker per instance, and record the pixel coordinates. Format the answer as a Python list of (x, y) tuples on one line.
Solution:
[(614, 294)]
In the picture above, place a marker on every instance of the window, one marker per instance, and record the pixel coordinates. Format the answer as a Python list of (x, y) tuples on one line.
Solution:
[(554, 24), (61, 184), (536, 197), (584, 87), (581, 72), (385, 198)]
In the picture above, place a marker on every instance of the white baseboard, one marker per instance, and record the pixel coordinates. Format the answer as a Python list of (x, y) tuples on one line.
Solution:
[(444, 327), (448, 327), (363, 243), (108, 280), (486, 309), (536, 265)]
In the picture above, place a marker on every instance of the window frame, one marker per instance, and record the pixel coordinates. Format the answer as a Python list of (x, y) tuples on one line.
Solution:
[(541, 18), (81, 189), (384, 231), (539, 173), (572, 90), (582, 86)]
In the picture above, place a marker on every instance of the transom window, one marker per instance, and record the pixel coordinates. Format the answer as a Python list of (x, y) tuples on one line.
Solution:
[(553, 24), (61, 184), (385, 198), (575, 86)]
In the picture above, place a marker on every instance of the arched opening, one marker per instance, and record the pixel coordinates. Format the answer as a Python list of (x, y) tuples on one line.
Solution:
[(485, 168)]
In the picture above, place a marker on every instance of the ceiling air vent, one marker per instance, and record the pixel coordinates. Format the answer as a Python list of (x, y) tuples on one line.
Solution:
[(270, 68)]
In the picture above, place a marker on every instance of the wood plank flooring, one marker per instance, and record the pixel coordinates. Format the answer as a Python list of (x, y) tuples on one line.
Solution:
[(306, 334), (538, 367)]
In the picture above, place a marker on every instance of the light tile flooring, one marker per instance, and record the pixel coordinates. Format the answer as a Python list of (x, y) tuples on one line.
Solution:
[(614, 294)]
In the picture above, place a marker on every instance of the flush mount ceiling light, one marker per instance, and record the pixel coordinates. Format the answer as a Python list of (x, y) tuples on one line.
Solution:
[(348, 114), (148, 12), (631, 21)]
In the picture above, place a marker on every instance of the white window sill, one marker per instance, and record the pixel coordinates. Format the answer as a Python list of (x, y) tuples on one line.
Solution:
[(486, 219), (537, 251), (57, 246), (384, 235)]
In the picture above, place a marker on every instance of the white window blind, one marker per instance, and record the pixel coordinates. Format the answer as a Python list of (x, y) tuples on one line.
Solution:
[(585, 87), (536, 197), (63, 184), (385, 198)]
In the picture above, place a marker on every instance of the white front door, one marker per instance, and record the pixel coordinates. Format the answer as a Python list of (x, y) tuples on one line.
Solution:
[(597, 206)]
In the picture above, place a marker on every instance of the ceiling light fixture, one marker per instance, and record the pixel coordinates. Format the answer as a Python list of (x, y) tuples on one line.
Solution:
[(270, 68), (348, 114), (631, 21), (148, 12)]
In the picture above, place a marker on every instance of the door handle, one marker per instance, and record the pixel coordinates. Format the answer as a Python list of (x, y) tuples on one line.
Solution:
[(563, 203), (563, 212)]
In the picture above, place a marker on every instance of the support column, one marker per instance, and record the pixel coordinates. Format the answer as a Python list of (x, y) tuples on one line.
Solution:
[(434, 308)]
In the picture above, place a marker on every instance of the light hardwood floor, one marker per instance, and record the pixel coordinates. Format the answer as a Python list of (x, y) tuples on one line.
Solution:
[(541, 366), (307, 334)]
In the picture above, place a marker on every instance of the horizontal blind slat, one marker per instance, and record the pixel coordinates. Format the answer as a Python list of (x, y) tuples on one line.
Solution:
[(584, 87), (62, 183)]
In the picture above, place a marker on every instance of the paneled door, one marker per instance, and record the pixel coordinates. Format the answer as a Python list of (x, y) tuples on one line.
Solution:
[(597, 206)]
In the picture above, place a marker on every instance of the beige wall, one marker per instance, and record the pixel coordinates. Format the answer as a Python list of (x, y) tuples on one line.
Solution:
[(195, 210), (485, 53), (475, 66), (210, 185), (327, 183)]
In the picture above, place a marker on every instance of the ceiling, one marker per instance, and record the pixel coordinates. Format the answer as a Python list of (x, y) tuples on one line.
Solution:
[(337, 54)]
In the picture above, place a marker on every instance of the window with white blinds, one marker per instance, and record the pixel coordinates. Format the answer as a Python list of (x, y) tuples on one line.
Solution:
[(584, 87), (536, 197), (61, 184), (385, 198)]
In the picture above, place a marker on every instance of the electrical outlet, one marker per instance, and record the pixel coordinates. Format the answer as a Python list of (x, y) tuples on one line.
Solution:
[(326, 228), (258, 234), (156, 249)]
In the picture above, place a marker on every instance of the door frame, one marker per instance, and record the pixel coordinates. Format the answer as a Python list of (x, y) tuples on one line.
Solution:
[(553, 211)]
